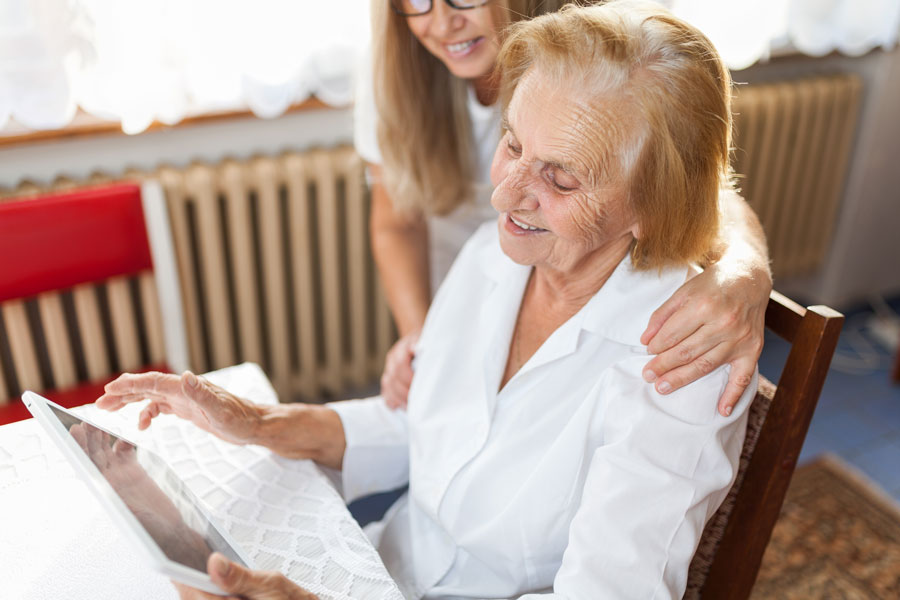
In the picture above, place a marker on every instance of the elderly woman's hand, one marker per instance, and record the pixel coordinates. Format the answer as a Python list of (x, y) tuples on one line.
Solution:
[(398, 371), (246, 584), (190, 397), (715, 318)]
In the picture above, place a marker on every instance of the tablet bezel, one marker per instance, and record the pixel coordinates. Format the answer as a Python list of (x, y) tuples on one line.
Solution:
[(122, 515)]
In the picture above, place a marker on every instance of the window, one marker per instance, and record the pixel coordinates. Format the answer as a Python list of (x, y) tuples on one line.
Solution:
[(140, 62)]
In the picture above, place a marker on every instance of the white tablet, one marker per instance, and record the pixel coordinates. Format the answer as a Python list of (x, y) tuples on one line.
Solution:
[(145, 497)]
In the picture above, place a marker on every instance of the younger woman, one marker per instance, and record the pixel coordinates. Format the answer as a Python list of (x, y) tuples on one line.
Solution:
[(427, 123)]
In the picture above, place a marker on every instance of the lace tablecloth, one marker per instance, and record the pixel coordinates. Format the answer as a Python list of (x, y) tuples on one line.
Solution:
[(56, 541)]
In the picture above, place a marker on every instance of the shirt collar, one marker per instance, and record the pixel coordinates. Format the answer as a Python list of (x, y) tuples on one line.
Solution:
[(621, 309)]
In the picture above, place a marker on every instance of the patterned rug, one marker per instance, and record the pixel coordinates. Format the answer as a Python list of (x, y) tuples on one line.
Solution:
[(838, 537)]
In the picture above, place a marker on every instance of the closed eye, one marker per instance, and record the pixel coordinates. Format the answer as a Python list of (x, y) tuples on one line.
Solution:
[(561, 180)]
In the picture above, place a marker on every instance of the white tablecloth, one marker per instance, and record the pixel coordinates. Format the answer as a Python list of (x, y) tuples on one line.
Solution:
[(56, 541)]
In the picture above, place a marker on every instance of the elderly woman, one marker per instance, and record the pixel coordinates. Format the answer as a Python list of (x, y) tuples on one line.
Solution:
[(538, 459)]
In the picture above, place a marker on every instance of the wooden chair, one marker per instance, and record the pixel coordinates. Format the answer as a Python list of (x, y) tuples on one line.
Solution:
[(731, 549), (895, 373), (78, 293)]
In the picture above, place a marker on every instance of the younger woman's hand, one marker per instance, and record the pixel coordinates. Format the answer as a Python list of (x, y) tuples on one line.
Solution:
[(713, 319), (190, 397), (398, 371)]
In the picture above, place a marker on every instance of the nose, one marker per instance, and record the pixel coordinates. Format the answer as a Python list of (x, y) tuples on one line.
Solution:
[(515, 191), (445, 19)]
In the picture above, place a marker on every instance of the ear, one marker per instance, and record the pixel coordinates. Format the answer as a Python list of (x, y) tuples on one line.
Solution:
[(635, 230)]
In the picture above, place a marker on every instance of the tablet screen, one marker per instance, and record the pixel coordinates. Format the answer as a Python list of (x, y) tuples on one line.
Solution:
[(156, 496)]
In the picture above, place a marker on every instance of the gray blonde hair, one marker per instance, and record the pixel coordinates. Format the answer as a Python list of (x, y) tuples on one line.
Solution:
[(674, 81)]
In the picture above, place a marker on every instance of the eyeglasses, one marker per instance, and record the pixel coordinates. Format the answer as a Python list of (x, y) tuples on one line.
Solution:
[(414, 8)]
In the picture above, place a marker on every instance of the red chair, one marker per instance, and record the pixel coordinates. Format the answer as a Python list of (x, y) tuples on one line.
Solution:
[(78, 296)]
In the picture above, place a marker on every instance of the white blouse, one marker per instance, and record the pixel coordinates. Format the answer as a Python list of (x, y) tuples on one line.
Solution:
[(576, 480)]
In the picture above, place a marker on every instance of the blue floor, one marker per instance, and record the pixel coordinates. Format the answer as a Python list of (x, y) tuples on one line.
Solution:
[(858, 415)]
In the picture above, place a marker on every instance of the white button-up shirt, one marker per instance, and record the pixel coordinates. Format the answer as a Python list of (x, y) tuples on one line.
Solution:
[(576, 480)]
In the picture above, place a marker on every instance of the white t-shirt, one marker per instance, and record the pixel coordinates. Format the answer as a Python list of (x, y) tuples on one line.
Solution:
[(446, 234), (576, 480)]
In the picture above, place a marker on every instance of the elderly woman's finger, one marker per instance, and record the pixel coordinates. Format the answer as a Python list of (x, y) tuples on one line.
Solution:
[(188, 593), (113, 402), (253, 585), (201, 392), (150, 412), (142, 383)]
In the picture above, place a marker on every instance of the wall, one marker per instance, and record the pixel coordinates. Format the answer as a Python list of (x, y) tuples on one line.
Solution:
[(112, 154), (865, 254)]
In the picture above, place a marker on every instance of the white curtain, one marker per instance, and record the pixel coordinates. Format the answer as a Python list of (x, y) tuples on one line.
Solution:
[(137, 62), (747, 31)]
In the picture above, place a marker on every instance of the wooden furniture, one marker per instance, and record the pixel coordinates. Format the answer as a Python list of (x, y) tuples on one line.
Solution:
[(78, 296), (731, 550), (895, 375)]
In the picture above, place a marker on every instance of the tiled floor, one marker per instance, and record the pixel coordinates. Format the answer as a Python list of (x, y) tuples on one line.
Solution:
[(858, 415)]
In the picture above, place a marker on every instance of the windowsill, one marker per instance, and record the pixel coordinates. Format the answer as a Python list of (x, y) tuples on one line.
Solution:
[(86, 125)]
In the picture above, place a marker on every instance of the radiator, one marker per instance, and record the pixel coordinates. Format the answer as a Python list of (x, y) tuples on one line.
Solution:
[(60, 339), (273, 252), (792, 145), (275, 268)]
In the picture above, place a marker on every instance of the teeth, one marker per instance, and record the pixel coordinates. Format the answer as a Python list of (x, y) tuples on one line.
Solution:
[(460, 46), (523, 225)]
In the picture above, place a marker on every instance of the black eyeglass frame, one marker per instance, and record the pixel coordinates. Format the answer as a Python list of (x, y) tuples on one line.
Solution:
[(449, 3)]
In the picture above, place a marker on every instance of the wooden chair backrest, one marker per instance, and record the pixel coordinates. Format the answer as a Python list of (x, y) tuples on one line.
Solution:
[(736, 537)]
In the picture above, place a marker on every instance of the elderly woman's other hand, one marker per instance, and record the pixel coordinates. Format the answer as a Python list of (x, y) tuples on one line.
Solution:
[(398, 371), (246, 584), (290, 430), (716, 318), (190, 397)]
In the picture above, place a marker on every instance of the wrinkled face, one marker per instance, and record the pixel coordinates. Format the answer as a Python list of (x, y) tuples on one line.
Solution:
[(466, 41), (559, 188)]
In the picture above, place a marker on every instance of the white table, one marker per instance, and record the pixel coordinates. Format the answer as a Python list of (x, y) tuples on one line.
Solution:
[(56, 541)]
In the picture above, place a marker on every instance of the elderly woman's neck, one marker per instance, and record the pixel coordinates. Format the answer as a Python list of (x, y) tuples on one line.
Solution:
[(552, 297), (570, 289)]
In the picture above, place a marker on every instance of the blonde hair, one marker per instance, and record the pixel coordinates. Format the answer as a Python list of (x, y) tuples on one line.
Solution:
[(424, 132), (672, 79)]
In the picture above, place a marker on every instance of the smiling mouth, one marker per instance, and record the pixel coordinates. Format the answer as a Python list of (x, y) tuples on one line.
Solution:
[(462, 47), (524, 226)]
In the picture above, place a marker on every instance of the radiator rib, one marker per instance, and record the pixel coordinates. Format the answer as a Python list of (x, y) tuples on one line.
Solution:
[(793, 141), (108, 325), (276, 269), (274, 263), (58, 344)]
